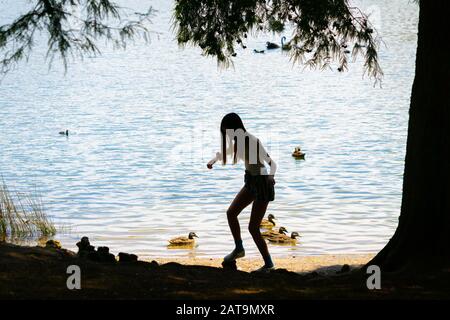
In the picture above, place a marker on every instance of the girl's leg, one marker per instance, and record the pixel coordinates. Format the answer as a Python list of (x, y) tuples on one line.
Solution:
[(242, 200), (258, 212)]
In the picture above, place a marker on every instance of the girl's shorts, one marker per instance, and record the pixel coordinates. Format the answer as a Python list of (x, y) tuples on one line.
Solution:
[(259, 186)]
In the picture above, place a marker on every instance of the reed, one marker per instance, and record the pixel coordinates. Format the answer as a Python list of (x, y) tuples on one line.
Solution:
[(22, 215)]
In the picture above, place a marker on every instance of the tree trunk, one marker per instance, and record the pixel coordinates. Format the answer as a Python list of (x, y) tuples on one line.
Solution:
[(422, 238)]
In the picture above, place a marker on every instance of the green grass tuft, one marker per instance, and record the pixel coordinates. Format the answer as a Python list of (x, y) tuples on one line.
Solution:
[(22, 215)]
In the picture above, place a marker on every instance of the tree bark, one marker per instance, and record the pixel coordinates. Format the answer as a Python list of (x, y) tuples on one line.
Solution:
[(422, 238)]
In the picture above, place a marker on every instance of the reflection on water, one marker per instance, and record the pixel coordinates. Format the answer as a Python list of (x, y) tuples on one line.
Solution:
[(144, 122)]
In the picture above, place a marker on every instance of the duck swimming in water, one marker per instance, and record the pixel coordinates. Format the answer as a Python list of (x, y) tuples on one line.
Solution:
[(258, 51), (183, 241), (298, 154), (285, 239), (268, 223), (64, 133), (271, 45), (273, 233)]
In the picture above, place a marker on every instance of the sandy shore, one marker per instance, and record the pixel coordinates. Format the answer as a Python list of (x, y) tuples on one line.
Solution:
[(325, 263), (41, 273)]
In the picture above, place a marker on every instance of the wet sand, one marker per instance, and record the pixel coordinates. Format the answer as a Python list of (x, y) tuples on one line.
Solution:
[(324, 263)]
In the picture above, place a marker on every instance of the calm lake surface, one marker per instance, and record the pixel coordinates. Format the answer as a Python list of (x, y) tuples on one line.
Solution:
[(144, 122)]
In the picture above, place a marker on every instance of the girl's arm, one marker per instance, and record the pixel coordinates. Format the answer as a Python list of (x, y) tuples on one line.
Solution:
[(214, 160), (273, 168), (218, 156), (270, 162)]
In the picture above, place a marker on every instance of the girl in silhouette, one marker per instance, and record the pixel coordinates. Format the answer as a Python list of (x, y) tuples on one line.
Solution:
[(258, 187)]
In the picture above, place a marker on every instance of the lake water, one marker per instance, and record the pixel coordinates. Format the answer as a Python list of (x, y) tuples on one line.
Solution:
[(145, 121)]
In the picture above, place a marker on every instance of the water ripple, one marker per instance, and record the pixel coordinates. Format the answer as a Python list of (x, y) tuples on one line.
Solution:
[(145, 121)]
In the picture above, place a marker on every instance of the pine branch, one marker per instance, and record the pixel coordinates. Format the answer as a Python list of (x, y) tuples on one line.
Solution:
[(324, 30), (73, 29)]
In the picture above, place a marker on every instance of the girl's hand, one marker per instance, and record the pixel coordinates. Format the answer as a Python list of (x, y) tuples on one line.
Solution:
[(272, 180), (211, 163)]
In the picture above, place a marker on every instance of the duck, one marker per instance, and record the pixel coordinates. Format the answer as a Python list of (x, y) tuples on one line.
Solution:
[(298, 154), (258, 51), (271, 45), (285, 46), (183, 241), (272, 233), (268, 223), (64, 133), (285, 239), (55, 244)]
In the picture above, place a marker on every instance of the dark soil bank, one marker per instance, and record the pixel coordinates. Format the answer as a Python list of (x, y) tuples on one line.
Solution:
[(41, 273)]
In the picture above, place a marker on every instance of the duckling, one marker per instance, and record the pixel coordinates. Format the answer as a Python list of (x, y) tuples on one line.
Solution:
[(258, 51), (268, 223), (272, 233), (271, 45), (183, 241), (64, 133), (285, 239), (298, 154), (55, 244)]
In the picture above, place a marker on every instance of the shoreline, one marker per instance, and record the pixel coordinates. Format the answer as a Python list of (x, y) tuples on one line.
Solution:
[(327, 263), (41, 273)]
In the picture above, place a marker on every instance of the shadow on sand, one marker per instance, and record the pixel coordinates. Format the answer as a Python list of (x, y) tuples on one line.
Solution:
[(41, 273)]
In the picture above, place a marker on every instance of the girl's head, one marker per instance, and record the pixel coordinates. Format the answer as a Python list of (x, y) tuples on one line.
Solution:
[(230, 123)]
